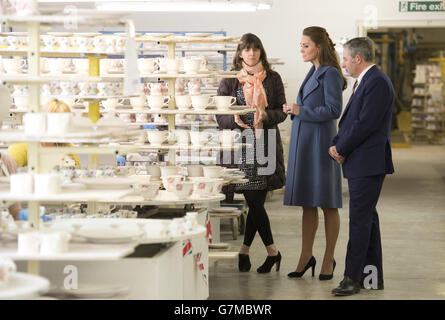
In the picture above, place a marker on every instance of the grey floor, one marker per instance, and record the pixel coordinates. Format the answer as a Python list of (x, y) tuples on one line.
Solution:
[(412, 222)]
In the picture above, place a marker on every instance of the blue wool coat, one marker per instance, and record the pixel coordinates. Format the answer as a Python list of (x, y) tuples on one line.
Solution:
[(313, 178)]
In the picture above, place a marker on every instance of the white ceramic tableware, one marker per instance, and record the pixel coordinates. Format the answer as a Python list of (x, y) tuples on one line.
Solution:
[(183, 102), (170, 171), (138, 102), (156, 137), (172, 66), (201, 102), (147, 65), (157, 102), (212, 171), (54, 242), (224, 102), (29, 243), (182, 137), (21, 102), (47, 183), (228, 137), (191, 66), (13, 65), (7, 267), (21, 183), (195, 170), (199, 138), (59, 123), (34, 123)]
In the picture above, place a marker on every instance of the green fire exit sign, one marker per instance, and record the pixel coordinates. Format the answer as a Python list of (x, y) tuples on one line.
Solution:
[(421, 6)]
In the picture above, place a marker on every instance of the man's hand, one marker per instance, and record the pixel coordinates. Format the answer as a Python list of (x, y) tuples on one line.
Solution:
[(334, 154), (291, 108)]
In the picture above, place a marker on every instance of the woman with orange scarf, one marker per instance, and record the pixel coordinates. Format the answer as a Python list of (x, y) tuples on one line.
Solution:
[(260, 88)]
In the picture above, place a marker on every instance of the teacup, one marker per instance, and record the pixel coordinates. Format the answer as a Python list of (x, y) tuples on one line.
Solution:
[(201, 102), (195, 170), (138, 102), (157, 102), (172, 66), (13, 65), (202, 185), (183, 102), (191, 66), (228, 137), (156, 137), (111, 103), (147, 65), (182, 137), (170, 182), (212, 171), (224, 102), (199, 138), (154, 171)]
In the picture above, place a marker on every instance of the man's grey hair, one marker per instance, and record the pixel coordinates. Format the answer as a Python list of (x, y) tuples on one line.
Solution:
[(363, 46)]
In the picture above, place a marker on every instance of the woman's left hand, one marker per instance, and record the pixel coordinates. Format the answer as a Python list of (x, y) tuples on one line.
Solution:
[(291, 108)]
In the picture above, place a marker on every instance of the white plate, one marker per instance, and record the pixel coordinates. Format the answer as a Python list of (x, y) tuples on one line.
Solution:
[(95, 291), (106, 236), (222, 210), (198, 34), (106, 182)]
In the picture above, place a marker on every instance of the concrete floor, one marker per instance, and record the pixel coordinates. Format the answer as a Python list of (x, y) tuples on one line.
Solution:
[(412, 222)]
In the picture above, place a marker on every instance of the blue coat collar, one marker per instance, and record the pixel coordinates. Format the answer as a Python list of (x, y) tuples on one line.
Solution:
[(318, 74)]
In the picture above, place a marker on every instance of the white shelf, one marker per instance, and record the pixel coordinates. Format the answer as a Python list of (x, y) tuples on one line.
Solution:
[(23, 286), (25, 79), (77, 252), (164, 198), (68, 195)]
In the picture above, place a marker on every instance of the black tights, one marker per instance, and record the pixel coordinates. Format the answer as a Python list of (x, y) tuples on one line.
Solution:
[(257, 219)]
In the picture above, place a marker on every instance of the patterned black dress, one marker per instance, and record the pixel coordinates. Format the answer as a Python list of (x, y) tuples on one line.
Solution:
[(247, 162)]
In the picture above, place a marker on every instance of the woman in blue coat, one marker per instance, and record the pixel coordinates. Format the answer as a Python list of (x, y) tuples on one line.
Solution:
[(313, 178)]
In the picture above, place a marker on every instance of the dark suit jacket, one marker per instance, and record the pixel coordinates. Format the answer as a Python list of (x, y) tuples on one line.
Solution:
[(364, 130)]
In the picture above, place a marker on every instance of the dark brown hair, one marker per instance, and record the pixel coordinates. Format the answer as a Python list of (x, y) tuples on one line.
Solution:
[(248, 41), (327, 55)]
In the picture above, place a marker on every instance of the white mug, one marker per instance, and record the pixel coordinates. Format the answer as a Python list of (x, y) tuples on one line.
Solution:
[(59, 123), (157, 102), (29, 243), (34, 123), (224, 102)]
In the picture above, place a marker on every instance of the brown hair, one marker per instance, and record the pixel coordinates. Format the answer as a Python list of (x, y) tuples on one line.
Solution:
[(327, 55), (248, 41)]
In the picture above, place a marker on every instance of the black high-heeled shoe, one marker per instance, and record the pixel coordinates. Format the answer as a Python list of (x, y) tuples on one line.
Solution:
[(327, 276), (243, 262), (269, 263), (312, 262)]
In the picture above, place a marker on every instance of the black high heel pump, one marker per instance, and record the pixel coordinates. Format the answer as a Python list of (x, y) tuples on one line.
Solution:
[(243, 262), (327, 276), (269, 263), (312, 262)]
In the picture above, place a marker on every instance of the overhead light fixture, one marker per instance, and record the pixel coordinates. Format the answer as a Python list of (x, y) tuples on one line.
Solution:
[(184, 6)]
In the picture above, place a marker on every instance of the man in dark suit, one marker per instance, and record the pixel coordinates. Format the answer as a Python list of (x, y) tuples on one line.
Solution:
[(363, 147)]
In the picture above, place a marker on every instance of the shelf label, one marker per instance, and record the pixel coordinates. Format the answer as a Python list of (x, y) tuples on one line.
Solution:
[(422, 6)]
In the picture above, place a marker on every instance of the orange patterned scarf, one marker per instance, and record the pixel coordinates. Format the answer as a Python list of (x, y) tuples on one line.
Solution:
[(252, 78)]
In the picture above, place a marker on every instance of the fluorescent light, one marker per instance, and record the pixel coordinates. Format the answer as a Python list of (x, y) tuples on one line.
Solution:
[(193, 6)]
